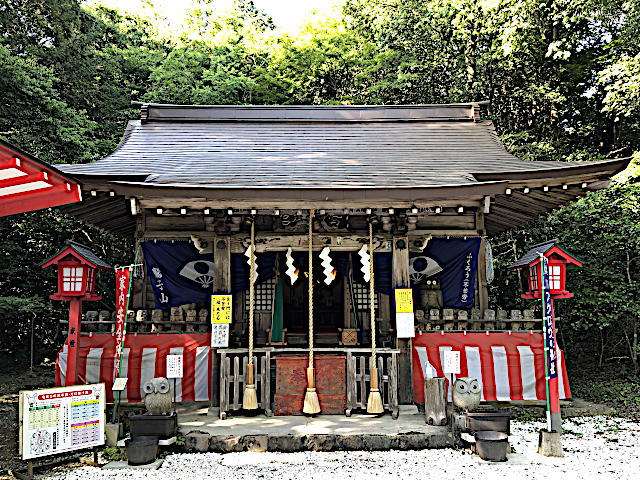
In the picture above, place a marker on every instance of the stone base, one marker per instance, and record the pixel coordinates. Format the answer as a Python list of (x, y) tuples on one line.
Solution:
[(317, 443), (322, 433), (112, 433), (550, 444)]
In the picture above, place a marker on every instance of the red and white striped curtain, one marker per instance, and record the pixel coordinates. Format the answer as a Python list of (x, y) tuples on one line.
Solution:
[(509, 366), (144, 358)]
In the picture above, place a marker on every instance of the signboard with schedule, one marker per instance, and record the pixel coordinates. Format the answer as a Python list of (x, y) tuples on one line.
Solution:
[(58, 420)]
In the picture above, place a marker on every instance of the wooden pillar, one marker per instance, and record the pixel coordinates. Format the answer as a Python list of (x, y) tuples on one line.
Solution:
[(401, 280), (222, 265), (221, 284), (75, 311)]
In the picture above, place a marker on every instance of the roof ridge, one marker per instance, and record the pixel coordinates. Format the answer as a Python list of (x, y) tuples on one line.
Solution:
[(153, 112), (554, 240)]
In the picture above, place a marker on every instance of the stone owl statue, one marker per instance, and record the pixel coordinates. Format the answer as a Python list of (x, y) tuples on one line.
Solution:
[(466, 393), (157, 396)]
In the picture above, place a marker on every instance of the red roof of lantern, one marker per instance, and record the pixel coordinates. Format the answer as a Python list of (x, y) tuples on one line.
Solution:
[(27, 183), (80, 253)]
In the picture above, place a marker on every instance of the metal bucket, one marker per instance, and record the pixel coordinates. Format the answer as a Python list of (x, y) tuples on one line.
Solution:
[(492, 446), (141, 450)]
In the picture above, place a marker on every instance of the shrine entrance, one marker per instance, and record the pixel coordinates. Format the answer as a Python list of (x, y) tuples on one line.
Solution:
[(328, 306)]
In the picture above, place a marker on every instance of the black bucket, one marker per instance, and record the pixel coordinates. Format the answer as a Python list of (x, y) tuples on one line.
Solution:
[(141, 450), (496, 421), (163, 426), (492, 446)]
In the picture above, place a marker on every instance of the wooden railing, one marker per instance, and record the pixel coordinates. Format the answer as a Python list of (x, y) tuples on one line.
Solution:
[(233, 372), (359, 379), (233, 369)]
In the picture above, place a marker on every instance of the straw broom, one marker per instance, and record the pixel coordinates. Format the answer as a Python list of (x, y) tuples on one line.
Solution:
[(374, 402), (250, 397), (311, 403)]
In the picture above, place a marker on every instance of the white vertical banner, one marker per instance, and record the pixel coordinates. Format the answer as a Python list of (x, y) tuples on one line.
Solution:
[(147, 367), (201, 382), (94, 360), (177, 382)]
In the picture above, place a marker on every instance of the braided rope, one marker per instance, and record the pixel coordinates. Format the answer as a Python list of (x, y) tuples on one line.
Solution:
[(251, 293), (371, 299), (311, 212)]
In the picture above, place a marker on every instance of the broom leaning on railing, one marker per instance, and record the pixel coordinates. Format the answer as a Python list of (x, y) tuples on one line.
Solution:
[(374, 402), (250, 397), (311, 403)]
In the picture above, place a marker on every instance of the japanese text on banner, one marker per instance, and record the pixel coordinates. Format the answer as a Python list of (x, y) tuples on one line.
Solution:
[(548, 321), (122, 296)]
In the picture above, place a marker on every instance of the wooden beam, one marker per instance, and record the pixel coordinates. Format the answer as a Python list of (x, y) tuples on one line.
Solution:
[(271, 242), (513, 214), (518, 205)]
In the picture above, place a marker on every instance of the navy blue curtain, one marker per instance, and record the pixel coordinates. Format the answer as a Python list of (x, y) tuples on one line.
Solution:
[(458, 258), (178, 273), (240, 270)]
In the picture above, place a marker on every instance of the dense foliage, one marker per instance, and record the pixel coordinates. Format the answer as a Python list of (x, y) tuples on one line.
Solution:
[(562, 78)]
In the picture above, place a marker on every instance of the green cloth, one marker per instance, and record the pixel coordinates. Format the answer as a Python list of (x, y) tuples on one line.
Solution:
[(277, 320)]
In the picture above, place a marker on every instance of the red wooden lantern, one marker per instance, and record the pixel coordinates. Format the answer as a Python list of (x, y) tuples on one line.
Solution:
[(559, 260), (77, 269)]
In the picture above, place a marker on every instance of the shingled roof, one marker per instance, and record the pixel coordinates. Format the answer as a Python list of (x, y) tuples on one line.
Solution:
[(534, 253), (325, 157), (309, 146)]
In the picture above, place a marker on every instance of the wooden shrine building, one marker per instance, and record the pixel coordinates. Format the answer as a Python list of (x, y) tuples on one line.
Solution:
[(432, 181)]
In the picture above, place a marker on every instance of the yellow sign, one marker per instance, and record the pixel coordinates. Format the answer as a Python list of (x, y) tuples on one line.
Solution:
[(404, 300), (220, 308)]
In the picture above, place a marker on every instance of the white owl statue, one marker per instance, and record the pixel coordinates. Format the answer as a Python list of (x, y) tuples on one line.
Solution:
[(466, 393), (157, 396)]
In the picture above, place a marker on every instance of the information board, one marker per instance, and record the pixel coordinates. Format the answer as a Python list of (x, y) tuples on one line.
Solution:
[(404, 300), (220, 335), (405, 322), (220, 308), (451, 362), (57, 420), (174, 366)]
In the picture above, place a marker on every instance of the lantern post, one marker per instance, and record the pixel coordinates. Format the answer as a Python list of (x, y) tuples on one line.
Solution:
[(546, 267), (77, 271)]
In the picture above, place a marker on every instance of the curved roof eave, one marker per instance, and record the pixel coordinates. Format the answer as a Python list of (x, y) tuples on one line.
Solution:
[(607, 167)]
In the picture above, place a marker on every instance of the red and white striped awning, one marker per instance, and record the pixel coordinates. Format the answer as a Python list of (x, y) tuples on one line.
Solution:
[(27, 183)]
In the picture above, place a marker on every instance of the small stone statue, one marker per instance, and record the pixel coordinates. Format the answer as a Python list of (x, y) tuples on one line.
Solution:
[(431, 295), (157, 396), (466, 393)]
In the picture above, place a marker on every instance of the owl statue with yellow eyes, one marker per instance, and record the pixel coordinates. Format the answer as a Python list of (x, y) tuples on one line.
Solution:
[(466, 393), (157, 396)]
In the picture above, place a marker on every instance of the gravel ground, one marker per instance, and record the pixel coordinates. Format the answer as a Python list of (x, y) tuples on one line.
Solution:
[(595, 447)]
